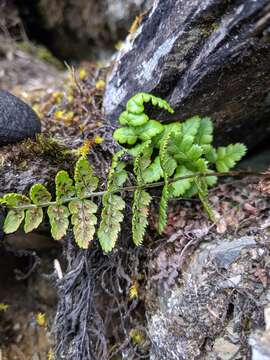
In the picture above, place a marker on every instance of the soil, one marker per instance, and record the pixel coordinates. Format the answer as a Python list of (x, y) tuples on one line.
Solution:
[(22, 337)]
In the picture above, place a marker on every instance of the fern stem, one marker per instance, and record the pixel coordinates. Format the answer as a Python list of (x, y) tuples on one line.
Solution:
[(145, 186)]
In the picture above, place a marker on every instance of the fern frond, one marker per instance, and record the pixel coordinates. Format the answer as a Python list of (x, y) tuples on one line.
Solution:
[(39, 194), (33, 218), (228, 156), (174, 127), (211, 155), (149, 130), (128, 118), (117, 175), (203, 195), (58, 216), (140, 211), (204, 134), (64, 187), (113, 205), (191, 126), (153, 172), (181, 186), (168, 165), (141, 198), (83, 220), (13, 220), (111, 219), (136, 103), (13, 200), (142, 161), (125, 135), (14, 217), (85, 181), (163, 207)]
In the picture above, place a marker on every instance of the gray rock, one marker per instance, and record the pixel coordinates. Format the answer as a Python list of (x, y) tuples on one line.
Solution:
[(260, 340), (203, 316), (17, 120), (208, 57)]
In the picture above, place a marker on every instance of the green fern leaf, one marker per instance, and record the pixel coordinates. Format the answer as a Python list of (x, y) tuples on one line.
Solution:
[(85, 181), (142, 161), (141, 199), (203, 195), (111, 218), (181, 186), (128, 118), (113, 205), (211, 155), (39, 194), (201, 165), (13, 220), (118, 175), (123, 118), (14, 217), (168, 165), (211, 180), (136, 103), (191, 126), (13, 200), (228, 156), (194, 153), (180, 146), (64, 186), (133, 119), (83, 221), (125, 135), (135, 150), (204, 134), (153, 172), (163, 207), (33, 218), (58, 216), (149, 130), (140, 210), (174, 128)]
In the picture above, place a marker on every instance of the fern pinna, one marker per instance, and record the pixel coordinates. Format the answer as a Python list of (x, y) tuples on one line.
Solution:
[(180, 153)]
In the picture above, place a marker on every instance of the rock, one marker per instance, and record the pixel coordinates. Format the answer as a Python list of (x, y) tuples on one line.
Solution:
[(204, 315), (82, 28), (260, 340), (224, 349), (17, 120), (206, 57)]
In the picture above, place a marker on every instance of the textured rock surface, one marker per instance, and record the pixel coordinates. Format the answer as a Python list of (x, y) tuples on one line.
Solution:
[(212, 303), (17, 120), (205, 57), (82, 28)]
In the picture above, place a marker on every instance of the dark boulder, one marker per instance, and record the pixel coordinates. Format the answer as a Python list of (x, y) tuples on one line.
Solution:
[(17, 120), (208, 57)]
